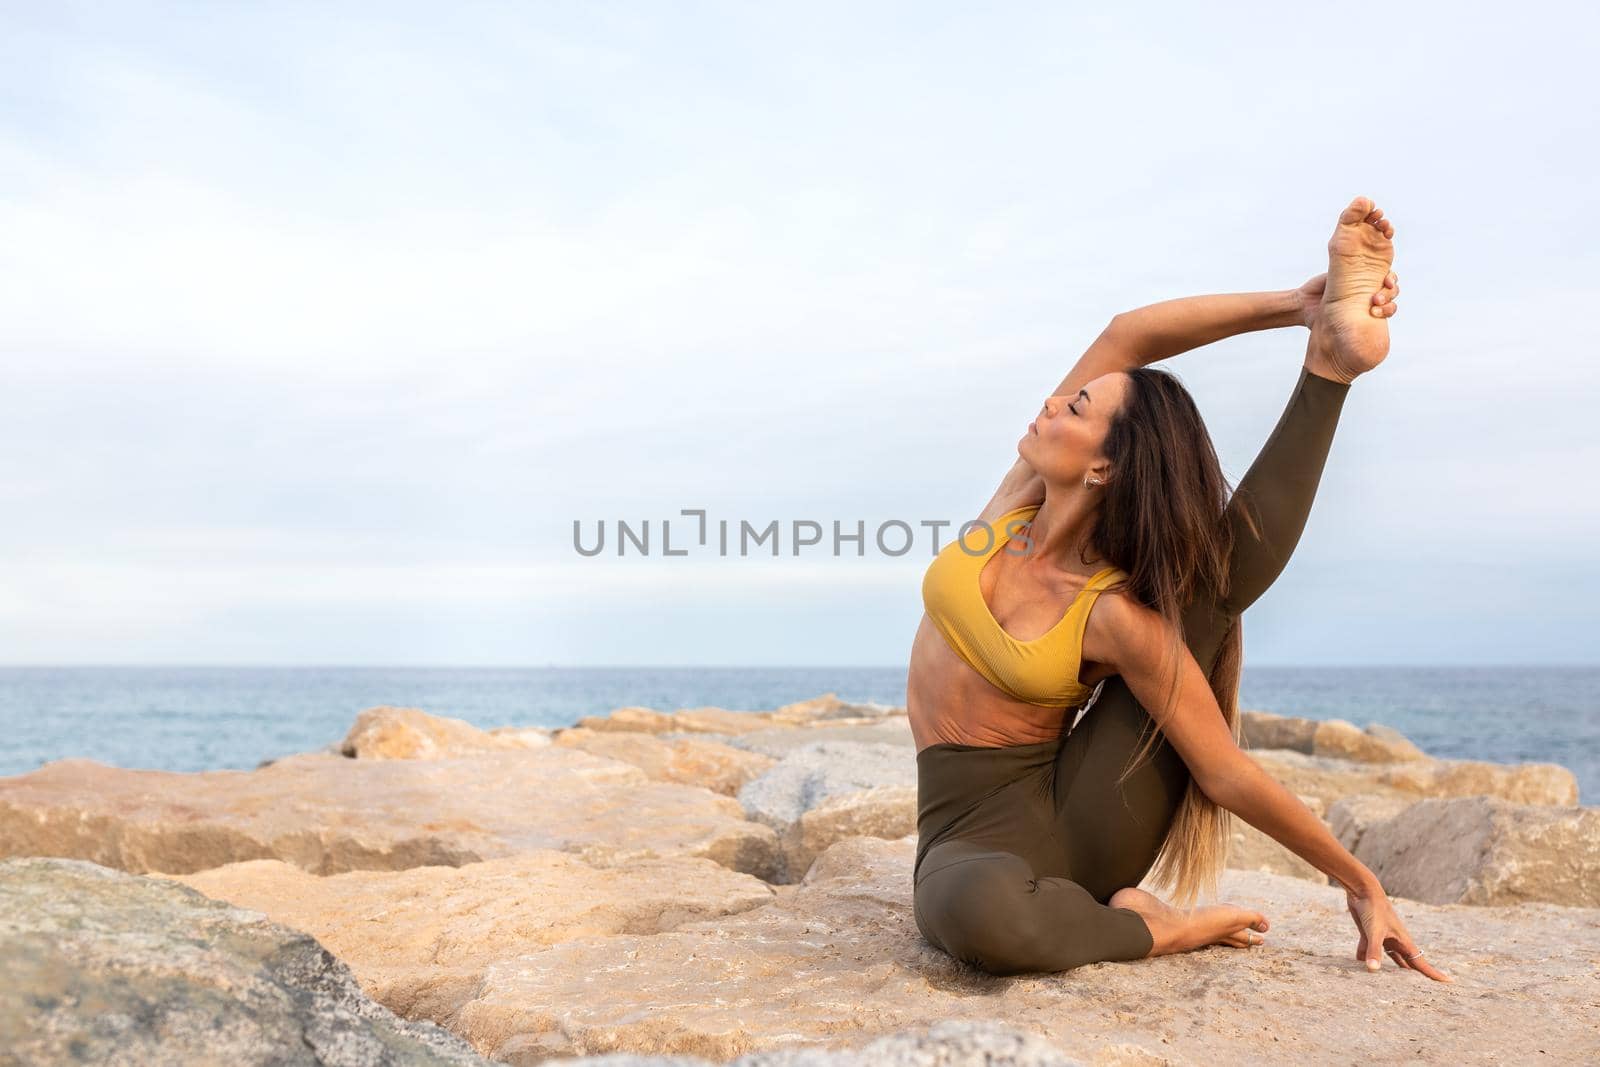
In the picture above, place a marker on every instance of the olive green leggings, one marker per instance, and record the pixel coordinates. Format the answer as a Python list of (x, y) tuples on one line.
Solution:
[(1020, 847)]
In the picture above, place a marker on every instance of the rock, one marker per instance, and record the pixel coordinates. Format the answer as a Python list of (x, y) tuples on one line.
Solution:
[(694, 759), (825, 710), (1328, 737), (1261, 729), (1335, 737), (957, 1042), (419, 940), (328, 814), (1330, 778), (101, 967), (1252, 850), (689, 720), (407, 733), (779, 741), (641, 720), (1483, 850), (828, 707), (1351, 817), (813, 772), (1523, 783), (888, 811), (837, 962)]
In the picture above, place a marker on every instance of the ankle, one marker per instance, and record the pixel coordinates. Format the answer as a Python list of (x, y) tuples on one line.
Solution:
[(1323, 361)]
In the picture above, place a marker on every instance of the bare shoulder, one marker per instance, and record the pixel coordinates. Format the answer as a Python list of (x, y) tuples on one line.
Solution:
[(1122, 633)]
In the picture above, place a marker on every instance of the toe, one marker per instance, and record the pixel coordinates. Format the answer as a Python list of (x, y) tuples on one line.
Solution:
[(1359, 208)]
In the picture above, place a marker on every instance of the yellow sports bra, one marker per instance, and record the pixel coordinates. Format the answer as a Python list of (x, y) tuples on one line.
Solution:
[(1043, 671)]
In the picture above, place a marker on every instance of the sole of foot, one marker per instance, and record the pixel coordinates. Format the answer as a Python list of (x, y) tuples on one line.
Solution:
[(1352, 332)]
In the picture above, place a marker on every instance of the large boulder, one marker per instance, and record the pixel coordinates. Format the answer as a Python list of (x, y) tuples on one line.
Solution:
[(1331, 778), (838, 962), (328, 814), (1483, 850), (690, 760), (1351, 817), (1328, 737), (419, 940), (101, 967), (1251, 850), (827, 770), (888, 811), (779, 741), (408, 733), (953, 1043), (689, 720)]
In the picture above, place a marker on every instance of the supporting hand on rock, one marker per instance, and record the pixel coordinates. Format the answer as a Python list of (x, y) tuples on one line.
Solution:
[(1380, 925)]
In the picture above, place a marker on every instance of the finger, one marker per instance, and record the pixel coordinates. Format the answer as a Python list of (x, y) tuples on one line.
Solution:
[(1389, 290), (1375, 951), (1419, 960)]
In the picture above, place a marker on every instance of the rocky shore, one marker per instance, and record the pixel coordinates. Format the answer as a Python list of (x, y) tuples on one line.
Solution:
[(713, 886)]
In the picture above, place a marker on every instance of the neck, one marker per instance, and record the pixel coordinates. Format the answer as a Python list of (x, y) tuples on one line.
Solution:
[(1061, 528)]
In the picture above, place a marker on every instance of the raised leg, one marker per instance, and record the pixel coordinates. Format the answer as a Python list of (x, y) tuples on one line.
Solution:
[(1112, 833)]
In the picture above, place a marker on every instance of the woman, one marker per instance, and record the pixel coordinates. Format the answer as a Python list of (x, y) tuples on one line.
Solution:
[(1032, 844)]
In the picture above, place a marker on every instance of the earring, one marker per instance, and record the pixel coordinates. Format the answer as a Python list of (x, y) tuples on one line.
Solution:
[(1087, 482)]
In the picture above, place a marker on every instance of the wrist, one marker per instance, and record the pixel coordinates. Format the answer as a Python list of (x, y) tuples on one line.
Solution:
[(1295, 312), (1363, 885)]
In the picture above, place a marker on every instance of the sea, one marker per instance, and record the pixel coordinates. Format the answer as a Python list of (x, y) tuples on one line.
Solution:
[(202, 718)]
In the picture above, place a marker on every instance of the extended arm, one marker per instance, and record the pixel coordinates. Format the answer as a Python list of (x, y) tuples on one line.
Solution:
[(1139, 643), (1154, 332)]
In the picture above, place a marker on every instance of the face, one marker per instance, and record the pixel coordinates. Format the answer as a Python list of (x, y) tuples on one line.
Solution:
[(1063, 442)]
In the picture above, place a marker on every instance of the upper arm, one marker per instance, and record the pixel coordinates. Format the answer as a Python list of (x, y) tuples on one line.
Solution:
[(1112, 351), (1137, 642)]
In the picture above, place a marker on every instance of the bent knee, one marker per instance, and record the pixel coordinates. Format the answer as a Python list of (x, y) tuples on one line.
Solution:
[(986, 913)]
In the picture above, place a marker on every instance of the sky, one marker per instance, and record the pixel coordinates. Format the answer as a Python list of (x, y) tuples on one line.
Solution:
[(321, 326)]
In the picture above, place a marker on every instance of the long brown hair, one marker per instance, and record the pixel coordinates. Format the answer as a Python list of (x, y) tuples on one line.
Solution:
[(1162, 522)]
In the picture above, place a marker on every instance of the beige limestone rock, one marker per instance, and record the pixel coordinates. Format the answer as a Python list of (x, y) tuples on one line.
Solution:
[(779, 741), (106, 968), (419, 940), (1483, 850), (688, 720), (822, 711), (1252, 850), (688, 760), (888, 811), (1331, 779), (838, 961), (643, 720), (1328, 737), (1352, 816), (828, 708), (408, 733), (327, 814)]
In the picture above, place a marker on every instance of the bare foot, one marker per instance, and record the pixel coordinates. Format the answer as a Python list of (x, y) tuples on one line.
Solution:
[(1352, 331), (1176, 930)]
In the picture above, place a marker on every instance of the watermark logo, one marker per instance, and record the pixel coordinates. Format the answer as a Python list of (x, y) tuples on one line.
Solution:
[(893, 537)]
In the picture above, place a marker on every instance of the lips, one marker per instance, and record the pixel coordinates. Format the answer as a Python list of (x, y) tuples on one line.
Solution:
[(1032, 428)]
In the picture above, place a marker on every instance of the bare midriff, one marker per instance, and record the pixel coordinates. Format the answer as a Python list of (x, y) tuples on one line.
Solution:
[(950, 703)]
